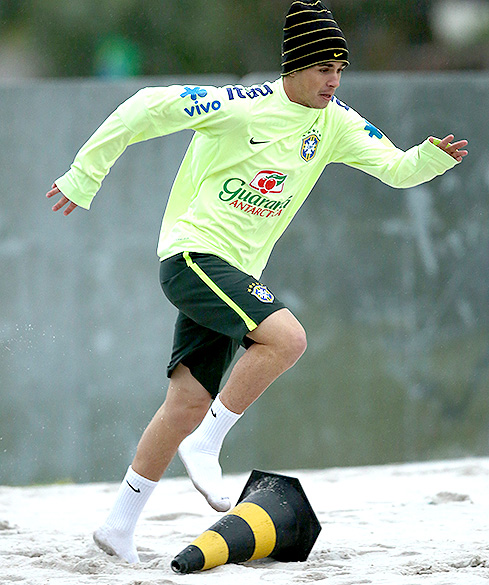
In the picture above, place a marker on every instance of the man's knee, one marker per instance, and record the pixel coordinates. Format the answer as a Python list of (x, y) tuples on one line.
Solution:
[(293, 344), (282, 332), (187, 400), (298, 341)]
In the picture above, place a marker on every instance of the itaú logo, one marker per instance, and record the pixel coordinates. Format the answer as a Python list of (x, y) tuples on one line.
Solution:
[(269, 182)]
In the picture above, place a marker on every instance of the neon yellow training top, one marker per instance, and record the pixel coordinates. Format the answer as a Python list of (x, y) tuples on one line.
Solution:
[(252, 162)]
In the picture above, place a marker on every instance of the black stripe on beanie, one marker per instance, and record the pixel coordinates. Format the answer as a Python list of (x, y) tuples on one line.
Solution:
[(311, 36)]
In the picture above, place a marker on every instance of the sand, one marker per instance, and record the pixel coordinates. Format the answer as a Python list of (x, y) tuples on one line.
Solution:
[(407, 524)]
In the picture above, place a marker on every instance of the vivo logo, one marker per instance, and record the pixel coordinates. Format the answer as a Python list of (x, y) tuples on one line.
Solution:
[(198, 109)]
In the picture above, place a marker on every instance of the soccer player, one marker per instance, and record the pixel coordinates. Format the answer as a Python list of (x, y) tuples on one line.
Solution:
[(255, 156)]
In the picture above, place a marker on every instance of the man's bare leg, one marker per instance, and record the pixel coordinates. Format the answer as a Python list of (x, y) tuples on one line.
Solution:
[(279, 340), (185, 405)]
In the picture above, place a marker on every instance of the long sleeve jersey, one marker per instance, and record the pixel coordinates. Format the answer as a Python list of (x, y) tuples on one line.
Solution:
[(253, 160)]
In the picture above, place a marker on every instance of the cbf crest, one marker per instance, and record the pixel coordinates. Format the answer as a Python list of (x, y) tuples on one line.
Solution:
[(309, 145), (261, 292)]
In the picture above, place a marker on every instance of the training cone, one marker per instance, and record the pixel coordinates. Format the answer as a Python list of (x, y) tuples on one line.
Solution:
[(272, 518)]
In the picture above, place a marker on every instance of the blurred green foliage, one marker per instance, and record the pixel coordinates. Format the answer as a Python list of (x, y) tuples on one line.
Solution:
[(163, 37)]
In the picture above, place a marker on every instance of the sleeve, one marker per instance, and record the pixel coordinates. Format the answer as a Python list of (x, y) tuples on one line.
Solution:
[(363, 146), (150, 113)]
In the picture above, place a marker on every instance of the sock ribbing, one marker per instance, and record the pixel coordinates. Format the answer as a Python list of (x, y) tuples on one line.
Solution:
[(133, 494), (116, 536), (218, 421), (199, 453)]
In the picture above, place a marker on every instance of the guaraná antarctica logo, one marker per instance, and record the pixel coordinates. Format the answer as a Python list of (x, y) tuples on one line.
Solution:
[(269, 182), (262, 199)]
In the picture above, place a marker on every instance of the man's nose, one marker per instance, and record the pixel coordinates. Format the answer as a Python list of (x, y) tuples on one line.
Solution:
[(334, 80)]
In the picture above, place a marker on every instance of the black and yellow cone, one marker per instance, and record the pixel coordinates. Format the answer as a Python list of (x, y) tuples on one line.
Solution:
[(273, 518)]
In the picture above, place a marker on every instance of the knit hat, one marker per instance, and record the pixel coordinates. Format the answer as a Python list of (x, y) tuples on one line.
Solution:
[(311, 36)]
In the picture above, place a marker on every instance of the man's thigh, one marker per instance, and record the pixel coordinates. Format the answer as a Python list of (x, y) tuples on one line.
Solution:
[(218, 307), (216, 295)]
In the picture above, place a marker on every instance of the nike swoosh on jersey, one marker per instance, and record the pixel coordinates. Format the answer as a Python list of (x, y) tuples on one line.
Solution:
[(253, 141)]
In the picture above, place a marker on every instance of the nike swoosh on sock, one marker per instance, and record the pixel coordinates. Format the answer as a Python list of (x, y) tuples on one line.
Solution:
[(138, 491)]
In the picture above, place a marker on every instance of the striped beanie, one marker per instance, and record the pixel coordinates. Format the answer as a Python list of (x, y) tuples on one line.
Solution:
[(311, 36)]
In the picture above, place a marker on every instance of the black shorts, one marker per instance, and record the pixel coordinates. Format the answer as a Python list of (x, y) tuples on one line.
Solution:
[(218, 305)]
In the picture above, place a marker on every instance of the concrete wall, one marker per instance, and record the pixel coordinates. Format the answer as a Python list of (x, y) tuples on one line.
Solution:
[(390, 285)]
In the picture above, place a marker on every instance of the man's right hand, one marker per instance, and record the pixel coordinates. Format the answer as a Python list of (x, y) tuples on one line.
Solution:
[(454, 149), (62, 201)]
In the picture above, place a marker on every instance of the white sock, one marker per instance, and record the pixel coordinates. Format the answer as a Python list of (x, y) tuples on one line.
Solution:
[(116, 536), (199, 453)]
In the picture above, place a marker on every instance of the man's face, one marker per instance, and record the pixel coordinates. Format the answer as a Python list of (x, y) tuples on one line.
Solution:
[(314, 87)]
